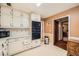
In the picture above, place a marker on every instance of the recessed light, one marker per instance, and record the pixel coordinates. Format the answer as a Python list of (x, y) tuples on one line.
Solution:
[(38, 4)]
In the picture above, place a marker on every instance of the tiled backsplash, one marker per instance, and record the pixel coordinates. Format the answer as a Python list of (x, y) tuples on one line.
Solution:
[(19, 33)]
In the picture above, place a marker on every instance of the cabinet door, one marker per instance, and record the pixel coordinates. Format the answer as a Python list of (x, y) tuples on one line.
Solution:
[(0, 52), (16, 22), (3, 47), (0, 46), (5, 52), (36, 43), (6, 21), (15, 47), (6, 10), (0, 49), (26, 43), (16, 13), (25, 20), (35, 17), (16, 19), (6, 17)]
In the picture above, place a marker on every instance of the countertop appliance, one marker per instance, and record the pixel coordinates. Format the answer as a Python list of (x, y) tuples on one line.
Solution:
[(4, 33)]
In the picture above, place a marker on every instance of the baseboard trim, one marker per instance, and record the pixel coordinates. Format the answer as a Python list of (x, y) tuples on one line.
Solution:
[(25, 50), (74, 38)]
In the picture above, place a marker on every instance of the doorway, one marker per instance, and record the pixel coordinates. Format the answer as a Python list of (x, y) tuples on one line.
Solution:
[(61, 32)]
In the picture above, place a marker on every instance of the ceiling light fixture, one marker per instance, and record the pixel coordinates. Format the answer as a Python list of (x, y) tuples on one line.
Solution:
[(38, 4)]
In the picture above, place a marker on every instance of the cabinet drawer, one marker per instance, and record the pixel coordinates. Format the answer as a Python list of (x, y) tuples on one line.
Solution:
[(72, 44), (12, 40)]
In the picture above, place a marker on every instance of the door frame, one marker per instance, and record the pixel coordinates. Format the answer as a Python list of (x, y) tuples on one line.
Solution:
[(68, 26), (56, 31)]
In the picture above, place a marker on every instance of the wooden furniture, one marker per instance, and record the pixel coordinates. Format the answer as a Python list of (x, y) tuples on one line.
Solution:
[(73, 48)]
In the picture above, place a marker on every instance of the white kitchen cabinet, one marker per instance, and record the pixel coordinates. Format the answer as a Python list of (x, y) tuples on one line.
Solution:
[(0, 45), (16, 13), (19, 44), (35, 17), (5, 51), (20, 20), (15, 46), (16, 22), (6, 21), (0, 49), (16, 19), (36, 43), (6, 17), (6, 10), (12, 18), (12, 47), (26, 43), (3, 47), (0, 52), (25, 20)]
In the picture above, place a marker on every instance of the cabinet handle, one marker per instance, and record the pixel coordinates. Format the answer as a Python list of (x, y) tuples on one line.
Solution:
[(2, 45)]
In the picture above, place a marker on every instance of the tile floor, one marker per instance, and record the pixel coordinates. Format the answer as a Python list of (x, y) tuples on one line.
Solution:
[(44, 50)]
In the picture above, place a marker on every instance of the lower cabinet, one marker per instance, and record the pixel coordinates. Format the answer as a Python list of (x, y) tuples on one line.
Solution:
[(36, 43), (18, 45), (3, 47), (26, 43), (5, 51), (15, 47), (73, 48), (0, 52)]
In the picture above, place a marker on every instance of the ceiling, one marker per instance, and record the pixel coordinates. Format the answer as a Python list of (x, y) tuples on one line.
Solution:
[(45, 9)]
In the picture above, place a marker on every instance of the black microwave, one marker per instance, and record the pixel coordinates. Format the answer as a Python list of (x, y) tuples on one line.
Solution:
[(4, 34)]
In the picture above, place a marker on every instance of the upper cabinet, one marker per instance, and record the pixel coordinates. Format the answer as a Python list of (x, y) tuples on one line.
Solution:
[(16, 19), (12, 18), (6, 10), (35, 17), (25, 20), (5, 17), (16, 13)]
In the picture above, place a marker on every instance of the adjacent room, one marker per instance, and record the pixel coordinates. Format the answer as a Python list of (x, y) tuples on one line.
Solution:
[(39, 29)]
